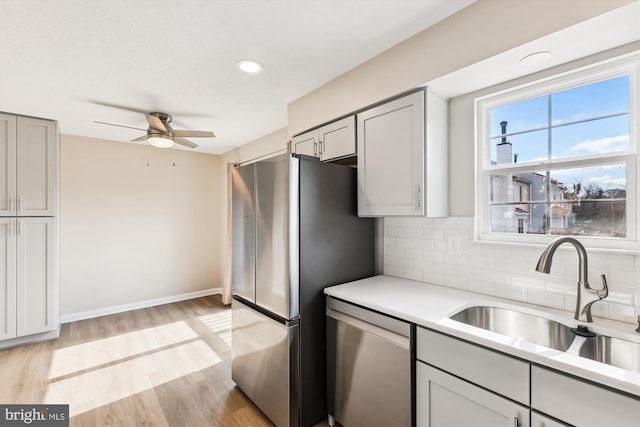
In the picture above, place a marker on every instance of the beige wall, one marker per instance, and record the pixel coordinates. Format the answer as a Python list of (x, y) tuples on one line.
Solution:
[(134, 227), (462, 39)]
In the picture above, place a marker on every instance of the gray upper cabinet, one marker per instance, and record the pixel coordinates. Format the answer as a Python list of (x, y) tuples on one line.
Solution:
[(27, 166), (334, 141), (403, 164)]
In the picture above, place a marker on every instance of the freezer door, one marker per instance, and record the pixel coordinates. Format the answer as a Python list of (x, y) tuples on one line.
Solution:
[(277, 244), (264, 363), (243, 279)]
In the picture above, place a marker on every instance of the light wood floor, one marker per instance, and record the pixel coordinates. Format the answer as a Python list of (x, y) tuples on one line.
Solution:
[(161, 366)]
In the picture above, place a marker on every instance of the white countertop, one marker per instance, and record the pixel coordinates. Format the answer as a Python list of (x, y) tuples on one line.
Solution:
[(430, 306)]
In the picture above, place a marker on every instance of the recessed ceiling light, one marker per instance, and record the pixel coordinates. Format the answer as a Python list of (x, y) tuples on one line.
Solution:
[(535, 58), (249, 66)]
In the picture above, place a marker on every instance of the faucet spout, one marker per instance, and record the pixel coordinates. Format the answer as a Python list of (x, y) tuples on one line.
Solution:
[(586, 295)]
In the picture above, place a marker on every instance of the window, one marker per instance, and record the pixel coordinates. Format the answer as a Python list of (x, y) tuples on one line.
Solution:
[(559, 157)]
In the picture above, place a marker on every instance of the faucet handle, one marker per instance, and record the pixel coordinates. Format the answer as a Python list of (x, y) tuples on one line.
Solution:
[(604, 292)]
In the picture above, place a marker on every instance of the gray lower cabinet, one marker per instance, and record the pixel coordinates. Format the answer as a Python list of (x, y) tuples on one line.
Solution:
[(583, 404), (539, 420), (446, 401), (459, 383)]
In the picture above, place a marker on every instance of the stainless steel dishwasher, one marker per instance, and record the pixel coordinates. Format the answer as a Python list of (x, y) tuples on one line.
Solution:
[(369, 368)]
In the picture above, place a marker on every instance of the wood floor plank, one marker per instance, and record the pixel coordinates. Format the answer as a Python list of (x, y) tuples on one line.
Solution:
[(175, 382)]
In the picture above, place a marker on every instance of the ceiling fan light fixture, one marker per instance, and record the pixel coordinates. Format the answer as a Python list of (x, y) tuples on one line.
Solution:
[(250, 66), (160, 141)]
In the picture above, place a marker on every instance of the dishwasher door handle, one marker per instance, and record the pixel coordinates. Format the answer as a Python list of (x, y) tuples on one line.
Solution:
[(397, 339)]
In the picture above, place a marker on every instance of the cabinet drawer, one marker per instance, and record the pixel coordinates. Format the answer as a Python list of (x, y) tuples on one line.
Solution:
[(499, 373), (582, 403)]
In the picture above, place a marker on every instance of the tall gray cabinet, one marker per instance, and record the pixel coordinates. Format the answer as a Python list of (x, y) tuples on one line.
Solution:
[(28, 229)]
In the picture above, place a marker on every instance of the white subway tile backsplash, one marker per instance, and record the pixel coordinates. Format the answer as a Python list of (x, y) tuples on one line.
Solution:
[(456, 282), (503, 252), (497, 277), (446, 269), (528, 282), (546, 299), (469, 272), (456, 259), (424, 244), (630, 279), (442, 223), (413, 274), (404, 242), (404, 221), (414, 233), (413, 253), (624, 313), (423, 265), (509, 292), (486, 262), (482, 287), (464, 223), (433, 277), (417, 249), (423, 222), (392, 270), (435, 256)]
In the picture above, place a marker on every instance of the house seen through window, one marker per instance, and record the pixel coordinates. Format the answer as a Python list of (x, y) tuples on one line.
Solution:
[(558, 158)]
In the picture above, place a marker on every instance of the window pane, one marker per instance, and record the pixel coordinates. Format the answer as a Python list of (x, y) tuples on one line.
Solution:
[(594, 137), (518, 202), (595, 218), (525, 147), (593, 100), (589, 201), (519, 218), (521, 116)]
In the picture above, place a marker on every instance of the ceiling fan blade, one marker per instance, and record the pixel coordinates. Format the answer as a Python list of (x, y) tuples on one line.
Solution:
[(120, 107), (122, 126), (142, 138), (184, 142), (155, 122), (194, 133)]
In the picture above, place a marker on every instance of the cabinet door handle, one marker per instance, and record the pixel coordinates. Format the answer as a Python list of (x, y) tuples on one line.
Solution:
[(19, 204), (11, 225), (516, 422), (11, 205), (320, 148), (19, 228), (418, 192)]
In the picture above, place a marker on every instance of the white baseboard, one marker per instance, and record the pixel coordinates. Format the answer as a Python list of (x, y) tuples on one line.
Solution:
[(136, 305)]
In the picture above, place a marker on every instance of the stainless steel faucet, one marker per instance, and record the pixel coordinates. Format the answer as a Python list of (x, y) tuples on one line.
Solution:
[(586, 295)]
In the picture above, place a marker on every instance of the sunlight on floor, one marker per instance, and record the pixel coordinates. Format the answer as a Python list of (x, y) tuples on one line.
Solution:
[(220, 324), (95, 353), (99, 387)]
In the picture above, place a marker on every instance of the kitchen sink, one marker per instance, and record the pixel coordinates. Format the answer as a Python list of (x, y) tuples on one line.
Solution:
[(549, 333), (515, 324), (612, 351)]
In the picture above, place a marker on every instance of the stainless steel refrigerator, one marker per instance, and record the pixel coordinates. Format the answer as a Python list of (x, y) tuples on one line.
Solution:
[(295, 232)]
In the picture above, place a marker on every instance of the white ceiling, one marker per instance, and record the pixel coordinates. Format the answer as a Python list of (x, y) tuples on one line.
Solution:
[(70, 60)]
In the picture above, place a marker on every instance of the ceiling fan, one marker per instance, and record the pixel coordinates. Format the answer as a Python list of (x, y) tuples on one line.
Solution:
[(161, 134)]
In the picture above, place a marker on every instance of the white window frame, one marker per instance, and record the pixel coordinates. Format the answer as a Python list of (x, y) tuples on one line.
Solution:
[(627, 65)]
